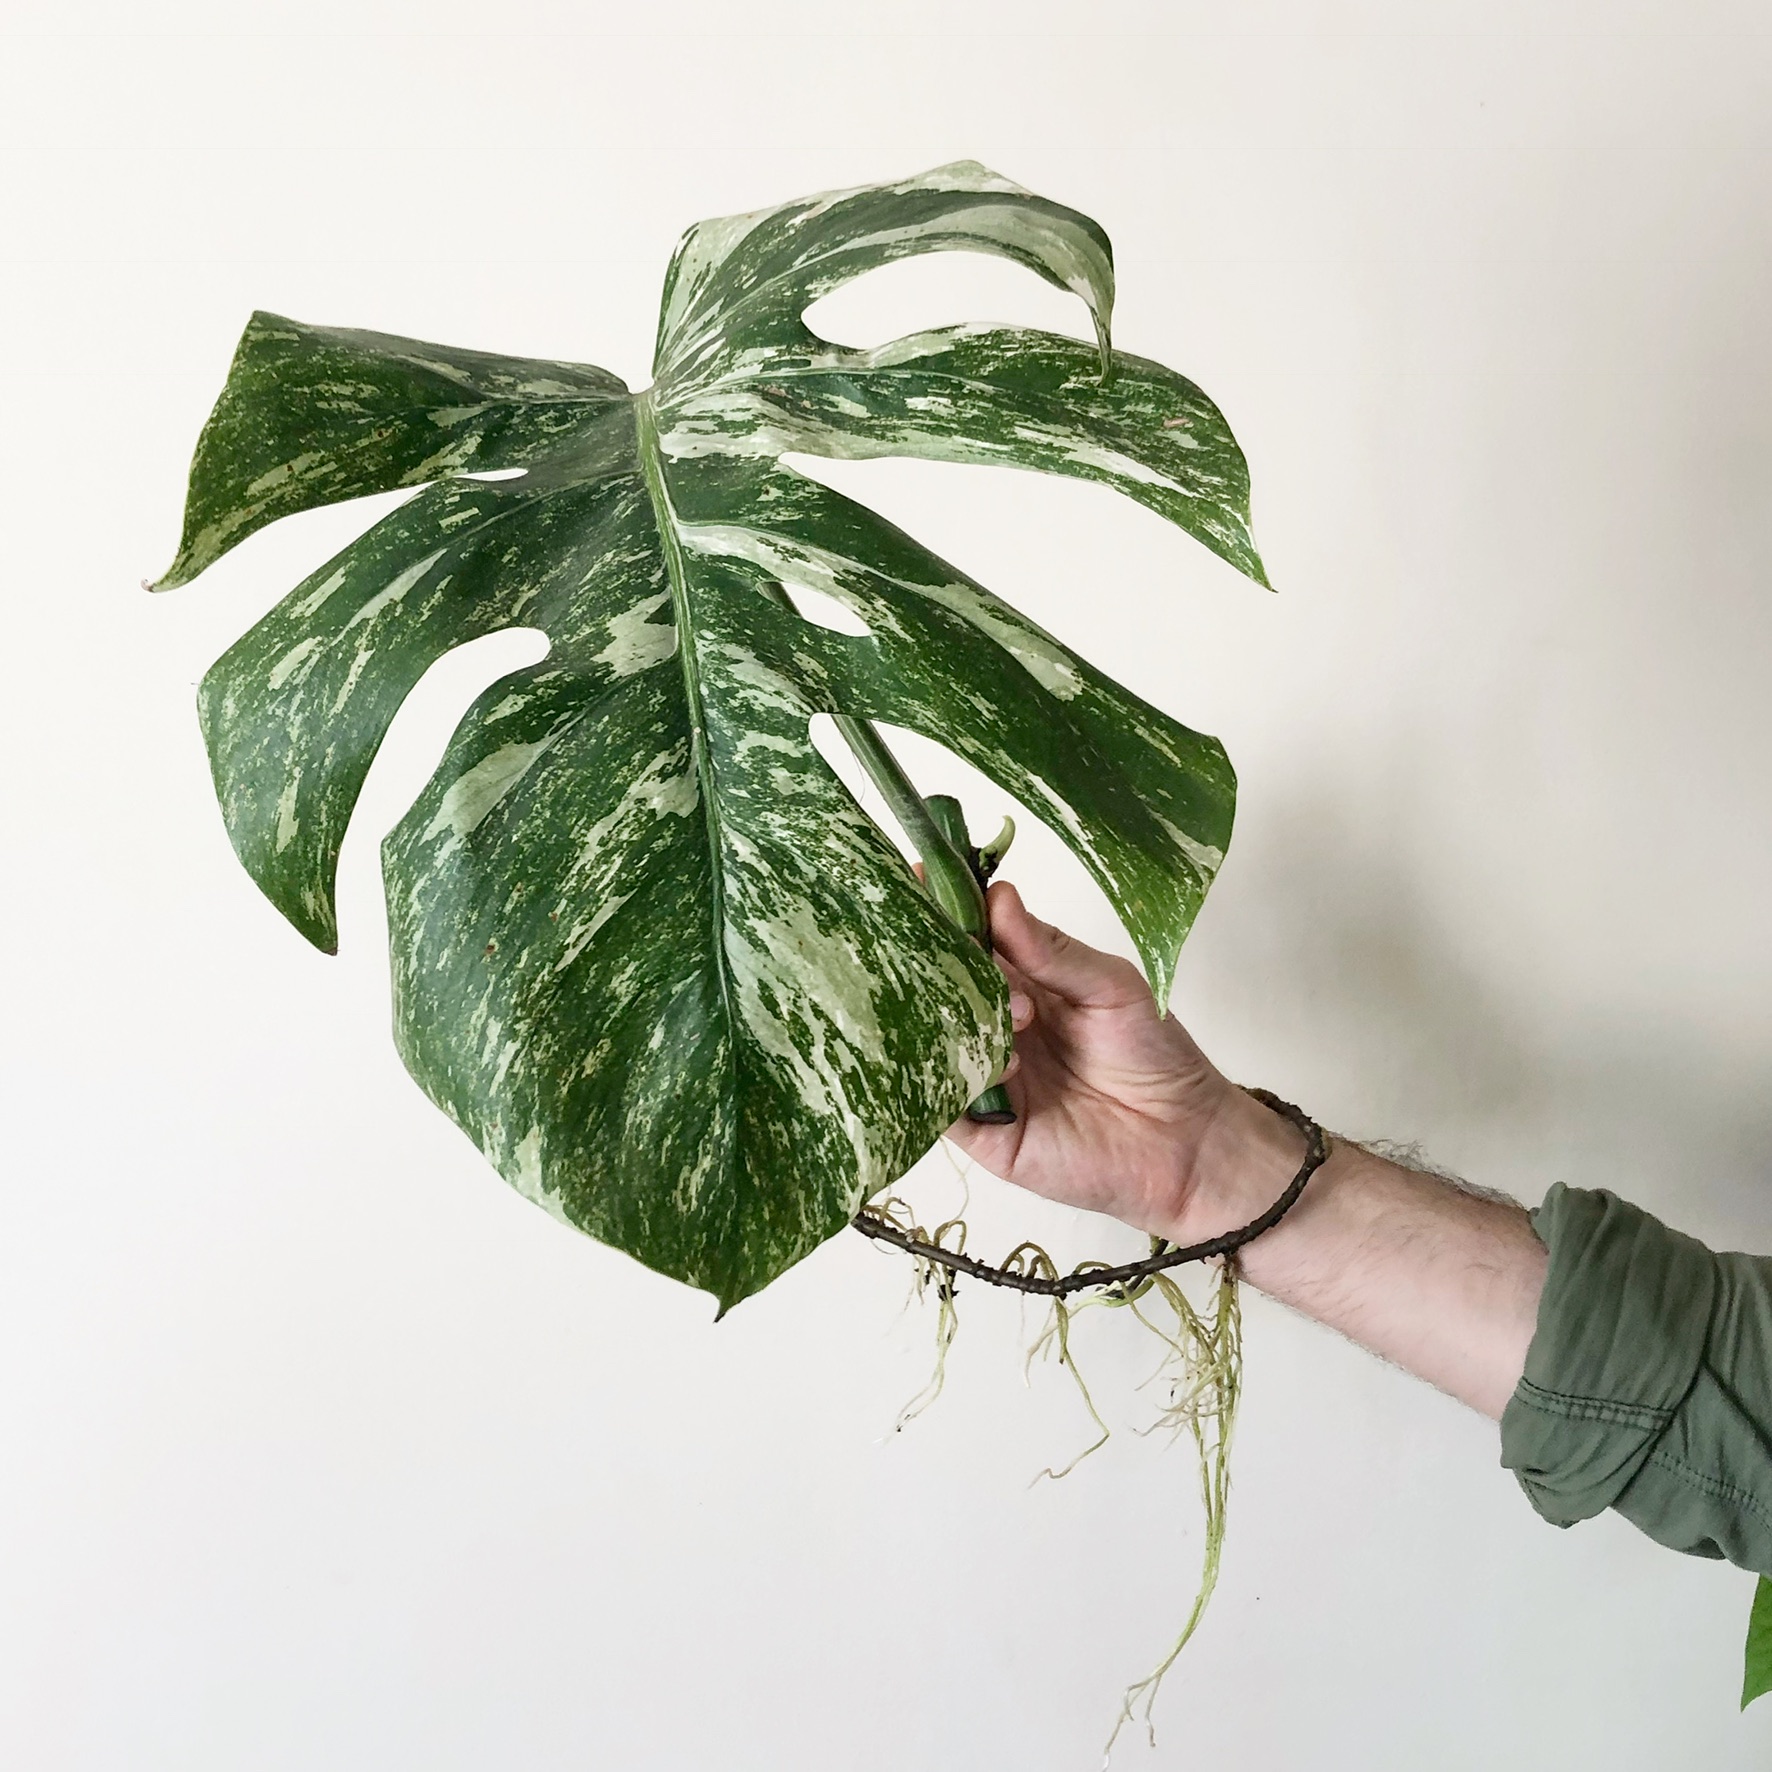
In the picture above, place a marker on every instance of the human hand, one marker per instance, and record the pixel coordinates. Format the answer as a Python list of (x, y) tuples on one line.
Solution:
[(1120, 1112), (1117, 1109)]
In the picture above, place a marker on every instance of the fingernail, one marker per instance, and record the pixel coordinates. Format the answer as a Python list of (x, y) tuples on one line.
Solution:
[(1021, 1008)]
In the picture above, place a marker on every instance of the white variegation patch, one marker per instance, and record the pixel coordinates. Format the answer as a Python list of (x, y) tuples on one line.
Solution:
[(805, 1020), (302, 652), (636, 641), (316, 599), (1048, 663), (524, 1172), (393, 593), (1206, 859), (580, 936), (287, 822), (474, 793)]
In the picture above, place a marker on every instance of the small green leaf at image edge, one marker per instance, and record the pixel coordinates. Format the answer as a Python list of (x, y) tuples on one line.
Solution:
[(1756, 1673)]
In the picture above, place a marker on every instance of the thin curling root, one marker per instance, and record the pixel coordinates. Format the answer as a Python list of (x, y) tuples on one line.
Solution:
[(1200, 1369)]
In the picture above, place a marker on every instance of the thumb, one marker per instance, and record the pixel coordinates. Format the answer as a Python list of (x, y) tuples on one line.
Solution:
[(1057, 962)]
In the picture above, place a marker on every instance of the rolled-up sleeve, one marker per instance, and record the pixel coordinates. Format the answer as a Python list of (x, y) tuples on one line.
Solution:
[(1648, 1385)]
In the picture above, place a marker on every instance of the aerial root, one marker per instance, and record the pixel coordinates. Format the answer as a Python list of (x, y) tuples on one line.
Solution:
[(1201, 1364)]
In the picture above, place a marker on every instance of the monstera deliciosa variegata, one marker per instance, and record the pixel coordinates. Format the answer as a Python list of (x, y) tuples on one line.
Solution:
[(647, 950)]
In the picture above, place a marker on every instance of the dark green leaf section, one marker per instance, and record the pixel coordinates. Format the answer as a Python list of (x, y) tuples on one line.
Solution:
[(315, 414), (647, 951)]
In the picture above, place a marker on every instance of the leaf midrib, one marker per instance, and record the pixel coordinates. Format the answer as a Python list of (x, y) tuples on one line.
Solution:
[(664, 518)]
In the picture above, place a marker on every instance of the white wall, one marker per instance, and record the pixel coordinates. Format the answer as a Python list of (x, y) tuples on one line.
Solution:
[(320, 1448)]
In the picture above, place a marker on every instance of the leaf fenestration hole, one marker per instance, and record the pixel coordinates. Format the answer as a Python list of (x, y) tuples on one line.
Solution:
[(828, 742), (409, 756), (944, 289), (826, 611), (495, 474)]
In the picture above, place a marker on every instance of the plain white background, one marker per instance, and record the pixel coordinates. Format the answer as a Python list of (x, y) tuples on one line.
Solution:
[(320, 1448)]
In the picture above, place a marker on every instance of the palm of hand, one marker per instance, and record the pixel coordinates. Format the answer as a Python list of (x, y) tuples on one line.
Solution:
[(1112, 1097)]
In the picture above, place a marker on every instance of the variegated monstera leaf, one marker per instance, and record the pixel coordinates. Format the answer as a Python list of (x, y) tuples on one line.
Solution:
[(647, 951)]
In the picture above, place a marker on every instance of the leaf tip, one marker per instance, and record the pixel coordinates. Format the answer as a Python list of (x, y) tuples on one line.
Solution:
[(725, 1299), (321, 937), (318, 929), (180, 572)]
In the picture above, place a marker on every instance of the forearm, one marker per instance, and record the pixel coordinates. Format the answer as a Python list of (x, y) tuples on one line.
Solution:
[(1441, 1282), (1629, 1366)]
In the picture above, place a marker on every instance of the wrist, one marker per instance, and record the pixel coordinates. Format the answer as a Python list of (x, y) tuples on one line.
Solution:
[(1242, 1163)]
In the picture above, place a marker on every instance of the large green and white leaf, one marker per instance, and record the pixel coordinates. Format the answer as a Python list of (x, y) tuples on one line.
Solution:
[(647, 951)]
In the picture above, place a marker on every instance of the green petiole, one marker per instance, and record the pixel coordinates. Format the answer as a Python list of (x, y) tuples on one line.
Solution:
[(953, 872)]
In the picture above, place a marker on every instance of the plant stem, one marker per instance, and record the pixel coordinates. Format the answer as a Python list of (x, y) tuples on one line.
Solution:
[(947, 873), (950, 880)]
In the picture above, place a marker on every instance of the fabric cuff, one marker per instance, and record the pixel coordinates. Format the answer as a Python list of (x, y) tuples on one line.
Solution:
[(1622, 1326)]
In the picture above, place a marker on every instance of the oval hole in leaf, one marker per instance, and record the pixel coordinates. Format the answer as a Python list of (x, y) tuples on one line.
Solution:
[(944, 289), (826, 611), (495, 474)]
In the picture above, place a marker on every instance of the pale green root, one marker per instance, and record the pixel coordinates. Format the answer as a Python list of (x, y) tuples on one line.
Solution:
[(1205, 1372), (1202, 1365)]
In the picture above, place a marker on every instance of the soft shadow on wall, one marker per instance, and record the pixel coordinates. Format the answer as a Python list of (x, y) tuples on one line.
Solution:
[(1329, 970)]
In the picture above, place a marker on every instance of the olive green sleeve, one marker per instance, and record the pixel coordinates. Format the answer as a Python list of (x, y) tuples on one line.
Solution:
[(1648, 1385)]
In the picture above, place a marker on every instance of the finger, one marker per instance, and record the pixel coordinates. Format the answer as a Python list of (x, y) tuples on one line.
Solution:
[(992, 1146), (1057, 962), (1018, 980)]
